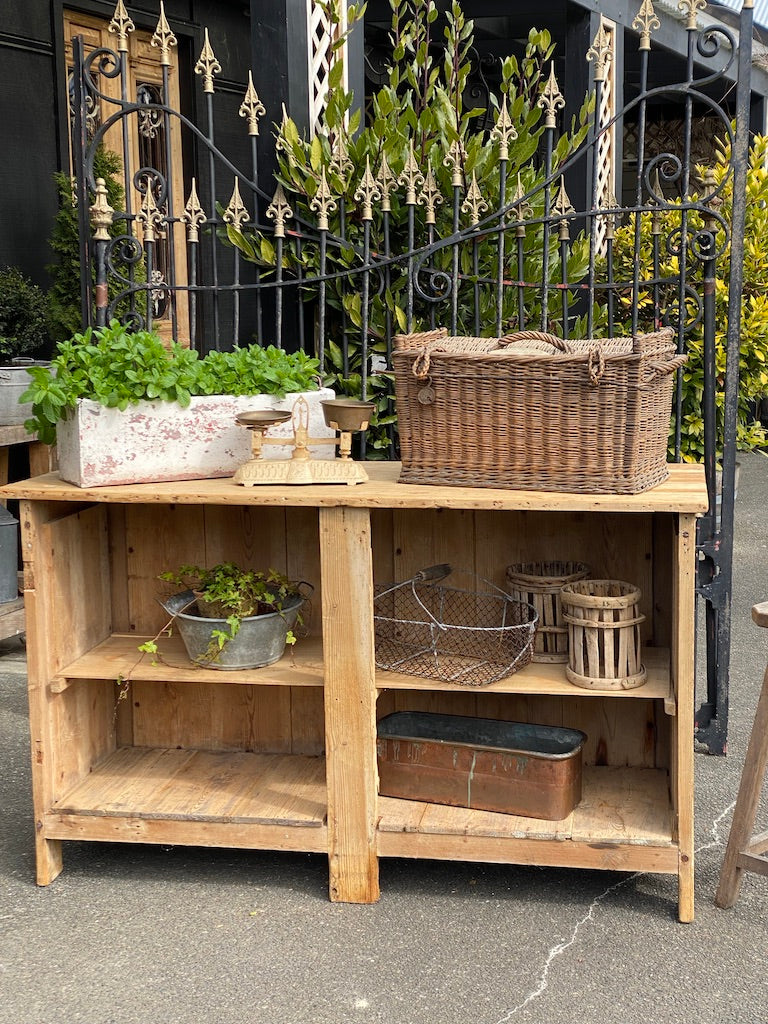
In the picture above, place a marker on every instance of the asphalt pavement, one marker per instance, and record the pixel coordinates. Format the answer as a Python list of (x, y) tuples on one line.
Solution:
[(155, 935)]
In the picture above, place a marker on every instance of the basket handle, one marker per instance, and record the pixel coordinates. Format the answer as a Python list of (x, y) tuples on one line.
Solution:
[(551, 339), (433, 573), (662, 367), (422, 361)]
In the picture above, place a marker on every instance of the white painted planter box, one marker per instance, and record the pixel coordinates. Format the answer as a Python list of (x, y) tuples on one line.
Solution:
[(156, 441)]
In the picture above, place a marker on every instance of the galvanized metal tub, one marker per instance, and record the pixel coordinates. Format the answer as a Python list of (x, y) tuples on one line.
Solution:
[(259, 641), (481, 763)]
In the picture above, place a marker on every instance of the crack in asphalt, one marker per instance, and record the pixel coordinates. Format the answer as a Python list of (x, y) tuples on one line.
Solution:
[(559, 948)]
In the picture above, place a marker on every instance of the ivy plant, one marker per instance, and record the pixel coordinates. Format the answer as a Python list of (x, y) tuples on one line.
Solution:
[(225, 591), (118, 367)]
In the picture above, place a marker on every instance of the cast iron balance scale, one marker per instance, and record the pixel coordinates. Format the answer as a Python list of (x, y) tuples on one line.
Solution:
[(346, 416)]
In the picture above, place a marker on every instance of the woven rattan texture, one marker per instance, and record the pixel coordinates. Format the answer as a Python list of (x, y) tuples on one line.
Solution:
[(592, 419)]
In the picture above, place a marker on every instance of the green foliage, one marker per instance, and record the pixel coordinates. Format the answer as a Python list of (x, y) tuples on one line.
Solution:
[(118, 367), (22, 314), (64, 316), (753, 347), (422, 106), (225, 591)]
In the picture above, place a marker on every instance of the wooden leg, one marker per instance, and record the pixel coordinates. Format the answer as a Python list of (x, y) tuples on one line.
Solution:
[(683, 671), (350, 703), (49, 859), (746, 803)]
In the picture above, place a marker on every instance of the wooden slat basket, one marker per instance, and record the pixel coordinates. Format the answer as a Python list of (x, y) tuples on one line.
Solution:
[(534, 412), (539, 584), (604, 649)]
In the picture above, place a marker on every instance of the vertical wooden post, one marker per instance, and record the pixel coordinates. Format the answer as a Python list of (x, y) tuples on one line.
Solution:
[(350, 703), (746, 852), (683, 674), (48, 851)]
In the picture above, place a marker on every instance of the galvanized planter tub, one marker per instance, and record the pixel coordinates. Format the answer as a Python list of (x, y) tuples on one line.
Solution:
[(480, 763), (14, 381), (259, 641)]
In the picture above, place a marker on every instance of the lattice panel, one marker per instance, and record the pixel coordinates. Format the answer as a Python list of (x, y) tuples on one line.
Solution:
[(606, 148), (322, 32)]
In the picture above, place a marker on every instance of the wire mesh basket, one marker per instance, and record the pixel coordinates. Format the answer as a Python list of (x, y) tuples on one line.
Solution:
[(468, 637)]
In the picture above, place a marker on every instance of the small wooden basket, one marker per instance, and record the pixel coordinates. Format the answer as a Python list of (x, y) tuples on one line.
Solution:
[(603, 634), (539, 584)]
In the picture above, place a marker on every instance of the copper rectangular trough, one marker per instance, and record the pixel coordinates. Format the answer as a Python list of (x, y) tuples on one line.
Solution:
[(481, 763)]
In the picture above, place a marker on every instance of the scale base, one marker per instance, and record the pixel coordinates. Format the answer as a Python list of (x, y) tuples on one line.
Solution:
[(293, 471)]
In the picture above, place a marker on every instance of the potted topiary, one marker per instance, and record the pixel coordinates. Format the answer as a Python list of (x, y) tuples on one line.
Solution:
[(22, 331), (124, 408), (232, 618)]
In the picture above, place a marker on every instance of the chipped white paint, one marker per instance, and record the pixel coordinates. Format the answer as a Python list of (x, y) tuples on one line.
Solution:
[(156, 441)]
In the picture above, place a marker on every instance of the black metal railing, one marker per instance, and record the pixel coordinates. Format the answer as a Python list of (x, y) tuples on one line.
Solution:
[(359, 253)]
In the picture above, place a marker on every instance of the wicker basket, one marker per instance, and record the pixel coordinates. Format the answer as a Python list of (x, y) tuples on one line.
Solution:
[(603, 618), (539, 584), (583, 416), (468, 637)]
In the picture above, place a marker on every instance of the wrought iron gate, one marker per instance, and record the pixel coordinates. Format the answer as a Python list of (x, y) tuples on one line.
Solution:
[(480, 238)]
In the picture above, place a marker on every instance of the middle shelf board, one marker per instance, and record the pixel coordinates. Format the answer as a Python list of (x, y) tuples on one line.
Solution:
[(118, 656)]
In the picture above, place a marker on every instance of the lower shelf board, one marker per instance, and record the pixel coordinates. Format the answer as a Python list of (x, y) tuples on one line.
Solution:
[(619, 806), (202, 786)]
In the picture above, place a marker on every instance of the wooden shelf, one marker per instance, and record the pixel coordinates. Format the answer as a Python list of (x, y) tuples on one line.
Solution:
[(119, 656), (621, 807), (682, 491), (539, 678), (231, 787), (177, 763)]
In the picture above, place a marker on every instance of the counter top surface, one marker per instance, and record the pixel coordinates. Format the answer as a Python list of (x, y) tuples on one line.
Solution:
[(683, 491)]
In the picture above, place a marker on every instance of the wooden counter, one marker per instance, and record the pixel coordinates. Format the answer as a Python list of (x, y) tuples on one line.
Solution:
[(285, 757)]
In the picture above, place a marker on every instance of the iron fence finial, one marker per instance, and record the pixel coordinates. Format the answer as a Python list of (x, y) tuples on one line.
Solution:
[(551, 99), (524, 208), (101, 213), (387, 183), (504, 131), (236, 213), (193, 215), (340, 162), (164, 37), (150, 216), (690, 8), (563, 209), (430, 197), (207, 65), (279, 211), (323, 203), (252, 107), (455, 160), (474, 204), (411, 176), (367, 191), (601, 52), (121, 24), (646, 22)]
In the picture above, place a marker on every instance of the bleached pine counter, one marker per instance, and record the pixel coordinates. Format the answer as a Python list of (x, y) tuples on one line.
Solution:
[(284, 757)]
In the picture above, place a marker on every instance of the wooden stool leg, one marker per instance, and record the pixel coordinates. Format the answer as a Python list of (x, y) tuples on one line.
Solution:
[(746, 803)]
